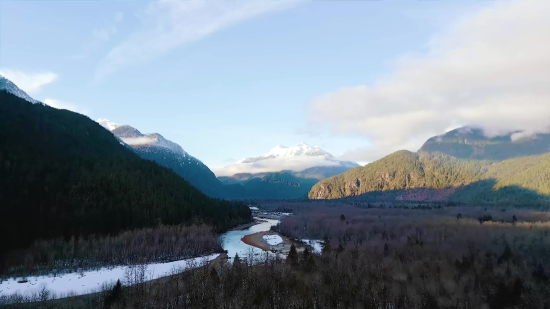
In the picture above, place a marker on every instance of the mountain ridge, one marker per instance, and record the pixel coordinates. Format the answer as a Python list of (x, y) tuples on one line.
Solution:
[(451, 163), (157, 148), (63, 175)]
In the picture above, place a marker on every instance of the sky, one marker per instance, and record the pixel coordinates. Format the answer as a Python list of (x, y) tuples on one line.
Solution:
[(232, 79)]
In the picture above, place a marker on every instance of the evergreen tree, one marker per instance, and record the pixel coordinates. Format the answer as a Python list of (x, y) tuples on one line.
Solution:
[(292, 257)]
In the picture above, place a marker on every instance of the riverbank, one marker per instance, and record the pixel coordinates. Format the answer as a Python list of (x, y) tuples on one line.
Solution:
[(257, 240), (245, 226)]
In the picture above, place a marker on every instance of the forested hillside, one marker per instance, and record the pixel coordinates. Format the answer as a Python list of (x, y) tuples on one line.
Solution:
[(172, 156), (277, 185), (62, 174), (523, 179)]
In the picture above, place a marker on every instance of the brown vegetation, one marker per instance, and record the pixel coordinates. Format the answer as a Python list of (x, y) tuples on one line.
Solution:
[(160, 244), (374, 258)]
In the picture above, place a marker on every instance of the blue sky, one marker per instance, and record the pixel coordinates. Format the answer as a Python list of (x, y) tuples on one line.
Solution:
[(228, 80)]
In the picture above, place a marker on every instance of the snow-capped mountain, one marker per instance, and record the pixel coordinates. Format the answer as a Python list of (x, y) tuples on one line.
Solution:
[(156, 148), (301, 149), (108, 124), (9, 86), (300, 159)]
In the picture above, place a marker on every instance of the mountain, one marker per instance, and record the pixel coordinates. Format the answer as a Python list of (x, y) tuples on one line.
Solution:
[(63, 175), (302, 161), (461, 165), (155, 147), (8, 86), (283, 172), (471, 143)]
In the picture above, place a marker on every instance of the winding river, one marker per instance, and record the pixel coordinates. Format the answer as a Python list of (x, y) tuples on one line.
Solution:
[(72, 284)]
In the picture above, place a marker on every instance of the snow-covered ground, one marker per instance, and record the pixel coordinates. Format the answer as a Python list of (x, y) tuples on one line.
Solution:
[(253, 208), (85, 282), (91, 281), (315, 244), (273, 240)]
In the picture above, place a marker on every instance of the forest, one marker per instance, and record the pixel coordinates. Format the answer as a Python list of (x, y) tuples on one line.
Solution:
[(420, 257), (64, 176), (522, 180)]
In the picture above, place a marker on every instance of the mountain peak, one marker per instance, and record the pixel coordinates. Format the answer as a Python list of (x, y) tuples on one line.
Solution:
[(135, 138), (108, 124), (300, 150), (9, 86)]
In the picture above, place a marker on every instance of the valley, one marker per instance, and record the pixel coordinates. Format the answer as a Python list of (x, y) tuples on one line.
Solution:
[(152, 207)]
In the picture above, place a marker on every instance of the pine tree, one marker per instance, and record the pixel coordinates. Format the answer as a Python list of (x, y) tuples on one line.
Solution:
[(292, 257)]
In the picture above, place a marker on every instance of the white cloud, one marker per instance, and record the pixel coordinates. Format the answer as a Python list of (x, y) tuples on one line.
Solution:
[(274, 165), (65, 105), (31, 83), (490, 68), (169, 24)]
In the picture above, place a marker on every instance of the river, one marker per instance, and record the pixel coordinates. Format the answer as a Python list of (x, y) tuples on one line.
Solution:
[(84, 282)]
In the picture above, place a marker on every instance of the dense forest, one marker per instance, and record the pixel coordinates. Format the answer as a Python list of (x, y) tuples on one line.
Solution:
[(276, 185), (63, 175), (372, 258), (522, 179)]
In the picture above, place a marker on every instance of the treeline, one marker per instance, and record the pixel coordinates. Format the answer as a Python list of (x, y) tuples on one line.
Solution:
[(159, 244), (434, 267), (527, 232), (63, 175)]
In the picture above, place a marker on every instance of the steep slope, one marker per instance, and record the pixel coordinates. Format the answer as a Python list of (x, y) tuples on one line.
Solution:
[(155, 147), (434, 174), (62, 174), (8, 86)]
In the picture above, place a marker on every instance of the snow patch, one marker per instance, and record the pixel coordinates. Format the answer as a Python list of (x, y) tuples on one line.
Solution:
[(273, 240), (316, 244), (108, 124), (9, 86), (92, 281)]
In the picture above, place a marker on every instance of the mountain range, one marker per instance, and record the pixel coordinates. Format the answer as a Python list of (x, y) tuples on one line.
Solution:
[(155, 147), (64, 175), (283, 172), (462, 165)]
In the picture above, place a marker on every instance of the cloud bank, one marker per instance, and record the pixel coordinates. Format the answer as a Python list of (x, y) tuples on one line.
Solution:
[(169, 24), (490, 68), (31, 83)]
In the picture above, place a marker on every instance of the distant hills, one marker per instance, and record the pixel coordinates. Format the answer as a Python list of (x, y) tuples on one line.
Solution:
[(462, 165), (63, 175), (284, 172)]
